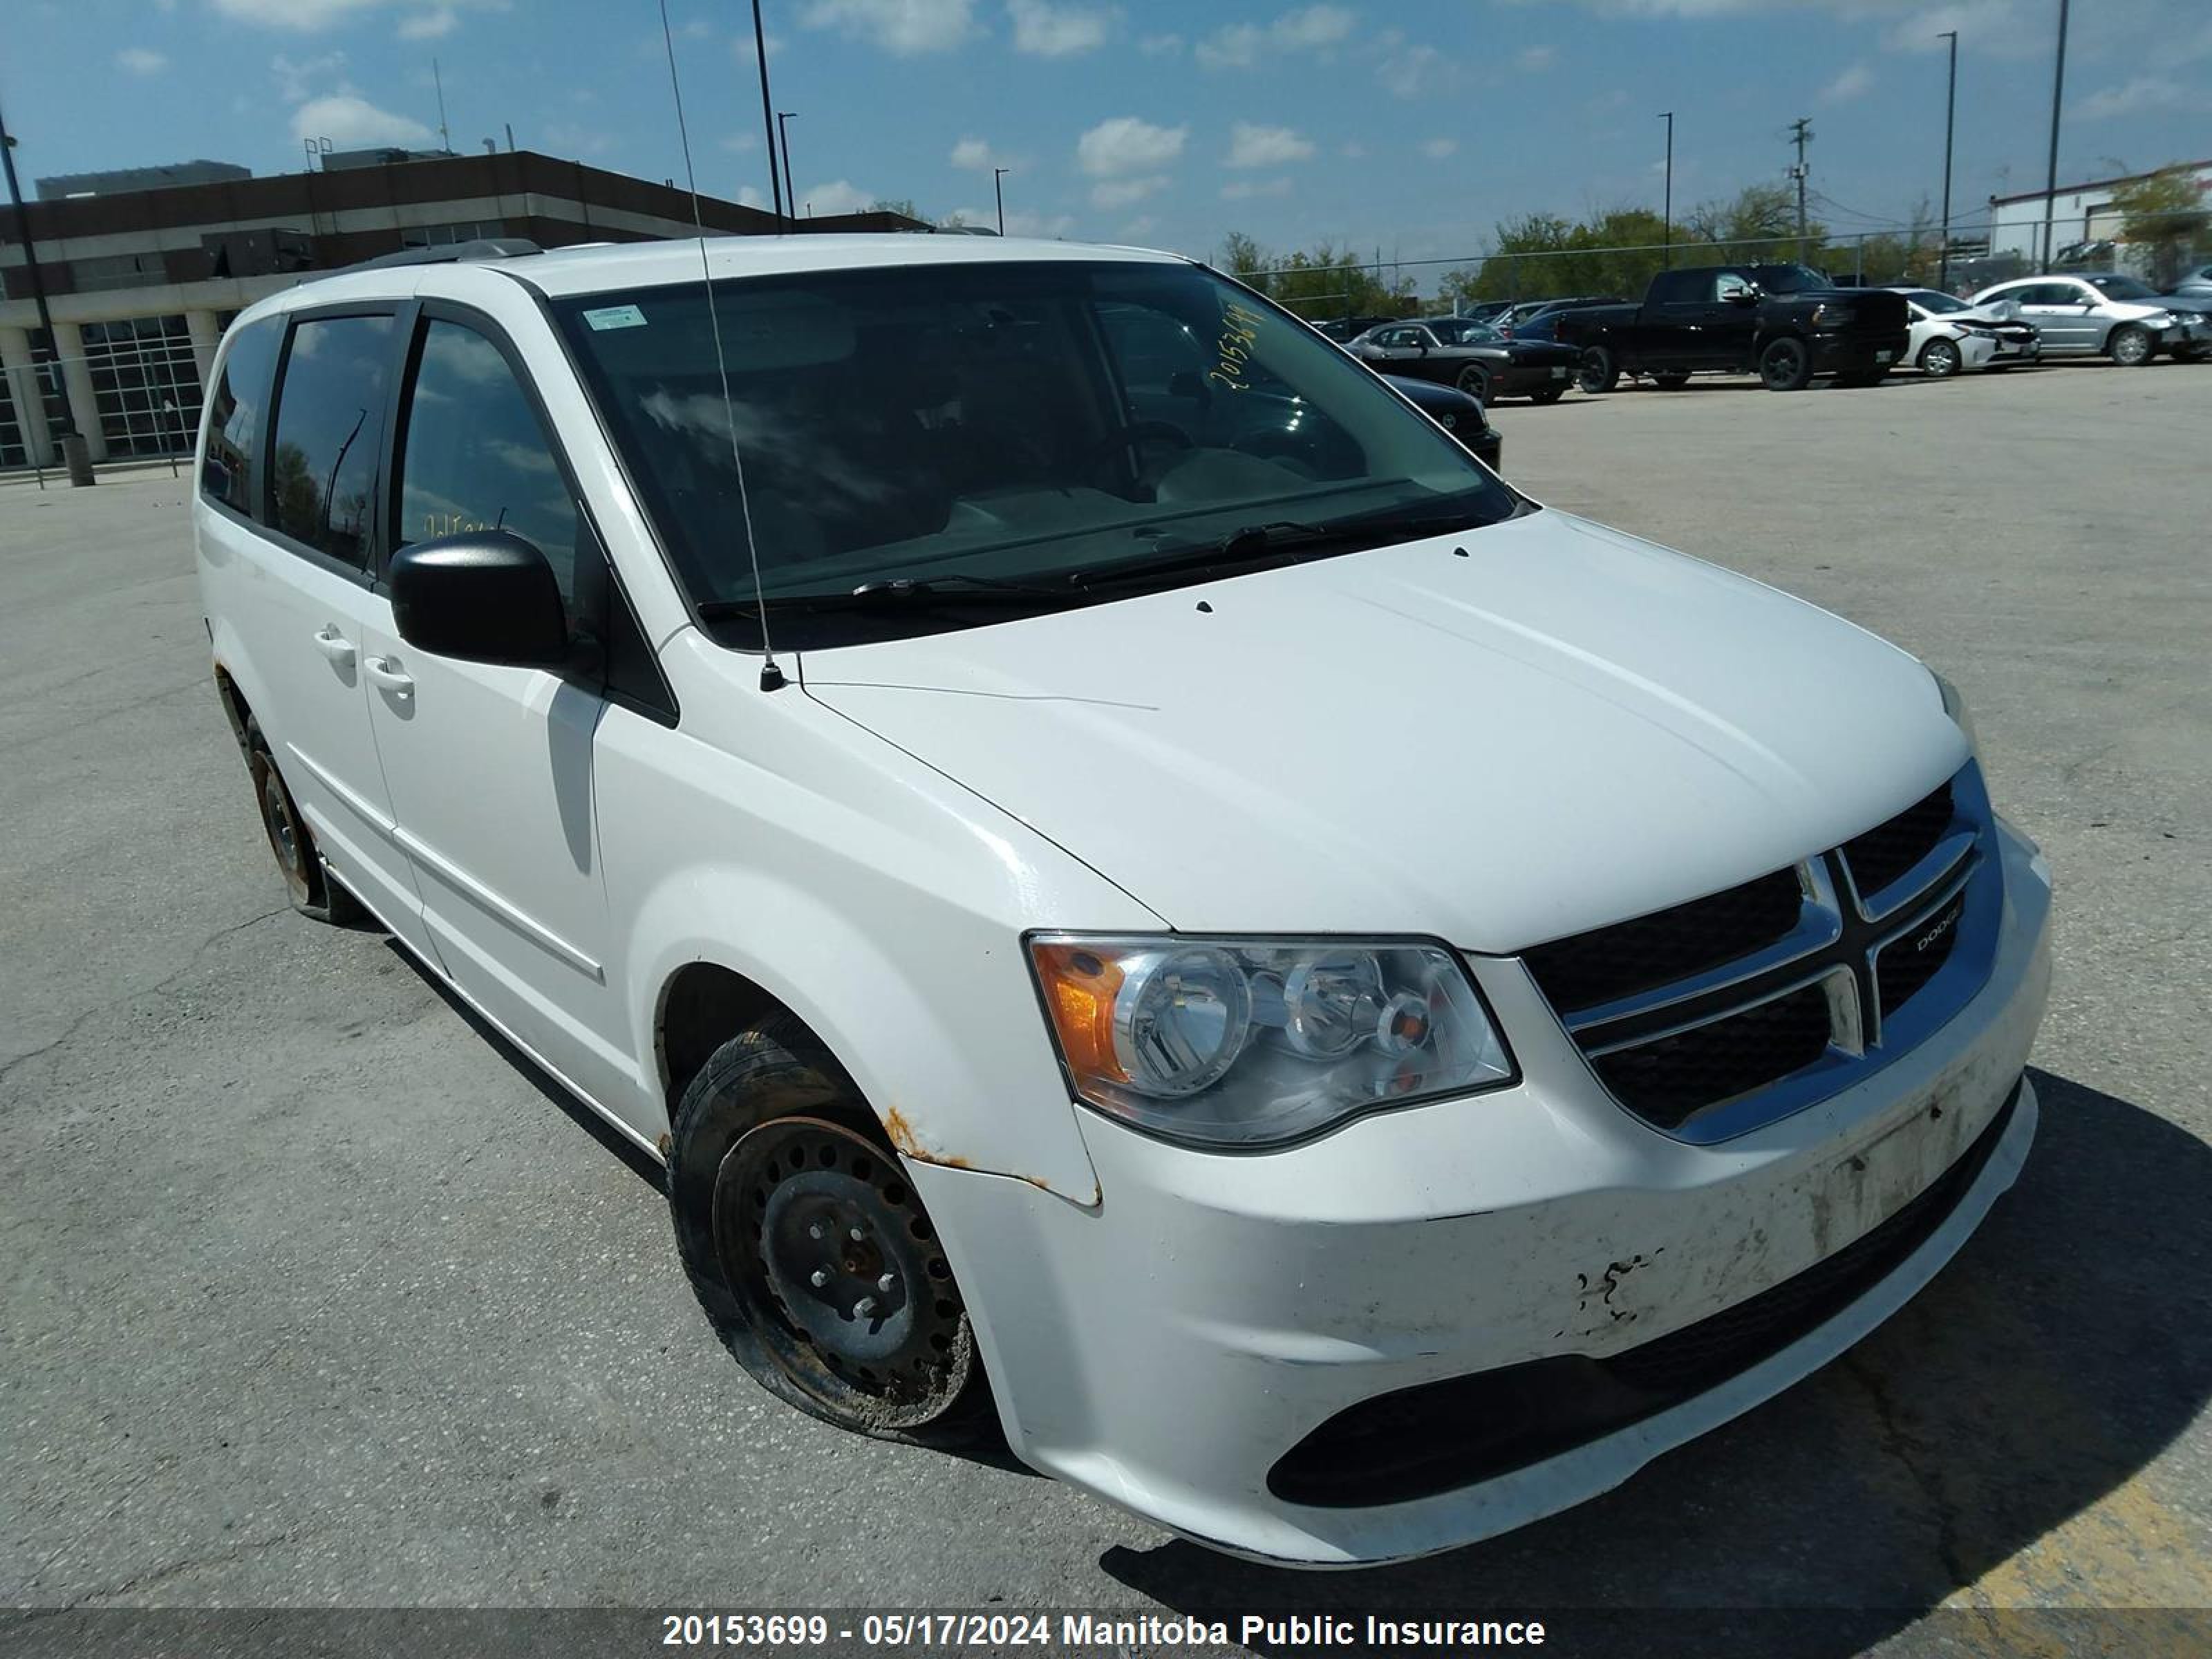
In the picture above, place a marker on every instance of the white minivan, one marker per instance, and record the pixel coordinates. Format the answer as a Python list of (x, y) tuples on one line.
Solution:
[(1147, 902)]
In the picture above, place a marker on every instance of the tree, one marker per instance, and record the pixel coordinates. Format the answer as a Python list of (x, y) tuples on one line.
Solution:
[(900, 204), (1757, 227), (1324, 280), (2164, 215)]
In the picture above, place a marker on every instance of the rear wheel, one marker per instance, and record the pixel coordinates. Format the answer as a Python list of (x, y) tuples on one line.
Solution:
[(1474, 380), (312, 891), (1940, 359), (1601, 370), (2131, 346), (1786, 365), (810, 1252)]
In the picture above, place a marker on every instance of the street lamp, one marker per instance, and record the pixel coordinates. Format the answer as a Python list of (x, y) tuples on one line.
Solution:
[(768, 114), (1666, 236), (783, 137), (2051, 177), (998, 189), (39, 295), (1950, 124)]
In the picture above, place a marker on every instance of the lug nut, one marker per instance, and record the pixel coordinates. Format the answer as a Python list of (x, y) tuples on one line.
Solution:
[(821, 1278), (814, 1231), (886, 1283), (857, 1234), (864, 1307)]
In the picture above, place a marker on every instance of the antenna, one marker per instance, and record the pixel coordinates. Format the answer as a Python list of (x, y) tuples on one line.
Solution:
[(445, 138), (771, 676)]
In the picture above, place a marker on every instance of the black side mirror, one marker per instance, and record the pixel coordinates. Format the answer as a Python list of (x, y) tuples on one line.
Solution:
[(483, 595), (1743, 296)]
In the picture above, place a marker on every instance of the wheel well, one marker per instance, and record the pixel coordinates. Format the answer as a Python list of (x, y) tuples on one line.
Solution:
[(233, 704), (704, 1007)]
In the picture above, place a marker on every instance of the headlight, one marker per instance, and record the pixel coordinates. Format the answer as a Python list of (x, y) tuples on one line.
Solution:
[(2162, 320), (1955, 706), (1242, 1043)]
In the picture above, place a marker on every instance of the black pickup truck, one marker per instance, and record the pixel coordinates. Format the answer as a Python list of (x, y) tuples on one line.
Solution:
[(1788, 323)]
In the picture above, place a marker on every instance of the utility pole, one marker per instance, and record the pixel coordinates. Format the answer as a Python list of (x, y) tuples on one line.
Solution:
[(1800, 133), (52, 364), (2050, 175), (998, 189), (768, 116), (1666, 236), (1950, 126), (783, 134), (445, 137)]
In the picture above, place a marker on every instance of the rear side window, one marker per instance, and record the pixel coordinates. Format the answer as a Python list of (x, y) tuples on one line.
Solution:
[(475, 457), (1675, 288), (329, 429), (230, 472)]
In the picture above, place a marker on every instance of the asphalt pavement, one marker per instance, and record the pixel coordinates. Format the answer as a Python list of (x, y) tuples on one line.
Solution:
[(315, 1295)]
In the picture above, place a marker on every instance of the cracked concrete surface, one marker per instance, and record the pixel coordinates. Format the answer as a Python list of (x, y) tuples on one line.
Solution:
[(313, 1297)]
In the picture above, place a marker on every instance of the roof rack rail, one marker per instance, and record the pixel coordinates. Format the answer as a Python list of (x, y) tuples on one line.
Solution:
[(489, 247)]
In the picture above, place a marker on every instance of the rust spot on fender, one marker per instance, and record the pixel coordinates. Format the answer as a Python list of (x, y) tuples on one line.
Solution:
[(665, 1143), (909, 1144)]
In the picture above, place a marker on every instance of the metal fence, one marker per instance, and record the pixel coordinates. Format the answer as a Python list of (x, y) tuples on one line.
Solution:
[(145, 390)]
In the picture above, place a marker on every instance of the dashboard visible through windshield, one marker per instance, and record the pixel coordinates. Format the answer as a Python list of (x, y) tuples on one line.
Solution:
[(982, 432)]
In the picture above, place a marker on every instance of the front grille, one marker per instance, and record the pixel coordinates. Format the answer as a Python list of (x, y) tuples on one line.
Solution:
[(1439, 1437), (1888, 850), (1591, 969), (1709, 1018), (1666, 1081)]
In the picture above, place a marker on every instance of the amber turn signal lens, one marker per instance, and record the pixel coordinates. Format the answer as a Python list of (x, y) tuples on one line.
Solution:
[(1079, 988)]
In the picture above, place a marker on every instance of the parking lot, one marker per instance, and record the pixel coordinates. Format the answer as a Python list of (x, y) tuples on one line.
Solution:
[(316, 1295)]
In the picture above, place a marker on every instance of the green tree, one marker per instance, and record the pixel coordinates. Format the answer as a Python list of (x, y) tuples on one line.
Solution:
[(2164, 215), (1758, 225), (1322, 282)]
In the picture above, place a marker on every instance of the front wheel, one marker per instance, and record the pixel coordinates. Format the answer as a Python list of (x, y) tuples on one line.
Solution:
[(312, 891), (1940, 359), (810, 1251), (2131, 346), (1474, 380), (1786, 365), (1601, 370)]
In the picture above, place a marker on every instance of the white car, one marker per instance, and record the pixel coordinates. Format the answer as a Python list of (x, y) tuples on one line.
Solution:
[(1367, 1008), (2101, 315), (1948, 336)]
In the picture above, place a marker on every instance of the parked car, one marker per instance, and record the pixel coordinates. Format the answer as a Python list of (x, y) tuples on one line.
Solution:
[(1344, 329), (1948, 335), (1517, 318), (1787, 322), (1472, 356), (2102, 314), (886, 783), (2198, 281), (2192, 306), (1463, 417)]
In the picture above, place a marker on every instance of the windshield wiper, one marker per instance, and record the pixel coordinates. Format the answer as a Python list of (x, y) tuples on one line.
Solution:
[(895, 593), (1253, 541)]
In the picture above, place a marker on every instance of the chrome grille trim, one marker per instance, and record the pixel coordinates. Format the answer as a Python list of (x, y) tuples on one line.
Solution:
[(1837, 942)]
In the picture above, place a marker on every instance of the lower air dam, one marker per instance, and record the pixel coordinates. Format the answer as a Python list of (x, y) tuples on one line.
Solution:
[(1256, 1631)]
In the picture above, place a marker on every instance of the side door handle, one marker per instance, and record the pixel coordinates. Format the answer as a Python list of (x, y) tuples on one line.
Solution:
[(385, 672), (335, 646)]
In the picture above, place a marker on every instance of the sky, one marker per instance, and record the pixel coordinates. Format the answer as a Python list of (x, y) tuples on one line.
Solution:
[(1407, 127)]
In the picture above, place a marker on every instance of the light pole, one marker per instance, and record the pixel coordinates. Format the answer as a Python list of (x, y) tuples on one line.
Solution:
[(768, 114), (38, 294), (2051, 176), (998, 189), (1666, 236), (783, 136), (1950, 126)]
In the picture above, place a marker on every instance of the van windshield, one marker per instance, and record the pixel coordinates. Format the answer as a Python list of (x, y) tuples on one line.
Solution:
[(966, 428)]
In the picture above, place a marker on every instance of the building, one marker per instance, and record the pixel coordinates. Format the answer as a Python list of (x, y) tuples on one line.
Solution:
[(2080, 214), (142, 281), (120, 181)]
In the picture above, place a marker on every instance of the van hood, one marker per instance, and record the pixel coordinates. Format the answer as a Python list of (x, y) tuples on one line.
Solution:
[(1495, 738)]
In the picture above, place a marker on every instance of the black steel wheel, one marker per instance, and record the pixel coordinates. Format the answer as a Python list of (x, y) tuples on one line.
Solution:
[(1601, 370), (306, 883), (810, 1250), (1786, 365), (1474, 380)]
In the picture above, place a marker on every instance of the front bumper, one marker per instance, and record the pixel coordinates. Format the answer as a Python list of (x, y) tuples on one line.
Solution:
[(1166, 1347), (1525, 380)]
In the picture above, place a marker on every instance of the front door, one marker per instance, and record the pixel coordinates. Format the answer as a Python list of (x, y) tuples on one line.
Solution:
[(490, 768), (2062, 314)]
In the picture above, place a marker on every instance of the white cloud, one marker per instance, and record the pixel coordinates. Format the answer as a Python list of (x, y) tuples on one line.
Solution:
[(345, 118), (906, 27), (1049, 31), (1242, 190), (1125, 145), (752, 195), (430, 25), (305, 16), (741, 143), (975, 156), (1251, 146), (1121, 192), (295, 80), (839, 195), (1413, 69), (1160, 45), (1854, 82), (1138, 226), (137, 60), (2143, 94), (1532, 58), (1310, 28), (1438, 150)]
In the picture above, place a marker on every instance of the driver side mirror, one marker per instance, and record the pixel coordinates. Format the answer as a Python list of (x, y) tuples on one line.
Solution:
[(483, 596), (1746, 296)]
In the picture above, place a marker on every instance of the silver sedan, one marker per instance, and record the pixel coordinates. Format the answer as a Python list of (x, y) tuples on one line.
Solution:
[(2101, 314)]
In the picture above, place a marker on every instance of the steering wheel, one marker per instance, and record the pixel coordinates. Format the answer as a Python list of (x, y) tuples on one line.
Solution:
[(1136, 434)]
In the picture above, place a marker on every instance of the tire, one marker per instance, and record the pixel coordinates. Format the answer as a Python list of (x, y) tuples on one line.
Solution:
[(1940, 360), (2130, 345), (1673, 380), (775, 1161), (313, 893), (1547, 394), (1601, 370), (1474, 380), (1786, 364)]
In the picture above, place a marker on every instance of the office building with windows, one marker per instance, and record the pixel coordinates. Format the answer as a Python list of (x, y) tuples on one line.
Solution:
[(143, 269)]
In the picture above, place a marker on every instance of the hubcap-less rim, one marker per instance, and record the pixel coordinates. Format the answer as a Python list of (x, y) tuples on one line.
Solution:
[(1784, 364), (845, 1282), (283, 830)]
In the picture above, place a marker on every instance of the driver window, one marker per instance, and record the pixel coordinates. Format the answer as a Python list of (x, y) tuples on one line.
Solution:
[(1729, 286)]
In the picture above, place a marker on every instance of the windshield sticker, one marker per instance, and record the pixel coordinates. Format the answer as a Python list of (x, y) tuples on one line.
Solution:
[(1240, 330), (608, 317)]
